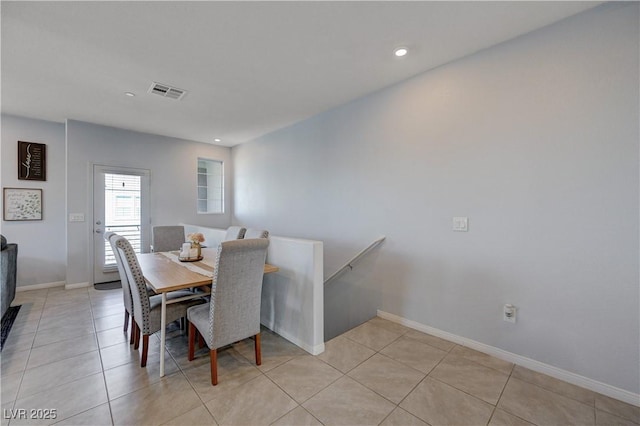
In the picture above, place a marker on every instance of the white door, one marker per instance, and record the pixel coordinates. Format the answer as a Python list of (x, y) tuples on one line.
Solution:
[(120, 205)]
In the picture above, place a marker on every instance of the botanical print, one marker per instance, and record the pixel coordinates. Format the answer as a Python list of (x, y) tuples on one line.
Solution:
[(22, 204)]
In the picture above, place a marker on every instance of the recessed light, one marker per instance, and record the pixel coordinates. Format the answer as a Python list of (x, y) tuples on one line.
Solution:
[(400, 51), (129, 94), (217, 140)]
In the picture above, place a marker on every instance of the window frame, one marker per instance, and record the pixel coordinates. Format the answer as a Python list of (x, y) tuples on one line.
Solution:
[(208, 188)]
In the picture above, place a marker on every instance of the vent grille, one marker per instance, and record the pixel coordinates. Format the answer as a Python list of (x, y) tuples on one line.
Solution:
[(167, 91)]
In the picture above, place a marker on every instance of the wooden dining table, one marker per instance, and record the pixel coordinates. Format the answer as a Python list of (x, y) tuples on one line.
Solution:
[(163, 272)]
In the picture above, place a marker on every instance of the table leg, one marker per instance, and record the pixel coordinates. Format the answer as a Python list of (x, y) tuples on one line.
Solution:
[(163, 331)]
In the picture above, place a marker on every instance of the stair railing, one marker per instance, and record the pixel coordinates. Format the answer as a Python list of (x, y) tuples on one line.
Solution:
[(355, 259)]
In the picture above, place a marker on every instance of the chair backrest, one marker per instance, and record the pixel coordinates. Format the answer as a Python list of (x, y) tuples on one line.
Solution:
[(234, 233), (234, 312), (256, 233), (139, 296), (124, 280), (168, 238)]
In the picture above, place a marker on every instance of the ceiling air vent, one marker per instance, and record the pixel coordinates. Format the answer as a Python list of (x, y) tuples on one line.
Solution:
[(167, 91)]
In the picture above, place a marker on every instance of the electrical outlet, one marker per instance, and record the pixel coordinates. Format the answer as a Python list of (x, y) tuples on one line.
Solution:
[(509, 313), (461, 224)]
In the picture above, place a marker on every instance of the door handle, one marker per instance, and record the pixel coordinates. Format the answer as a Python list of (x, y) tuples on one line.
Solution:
[(98, 231)]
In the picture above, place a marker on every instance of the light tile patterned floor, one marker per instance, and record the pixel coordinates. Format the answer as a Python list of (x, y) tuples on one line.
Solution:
[(67, 351)]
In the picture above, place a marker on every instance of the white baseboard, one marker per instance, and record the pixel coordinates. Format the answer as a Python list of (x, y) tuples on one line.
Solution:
[(40, 286), (313, 350), (540, 367), (76, 285)]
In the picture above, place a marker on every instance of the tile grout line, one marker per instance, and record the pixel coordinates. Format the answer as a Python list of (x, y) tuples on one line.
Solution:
[(204, 403), (13, 406), (316, 393), (104, 377), (502, 393), (299, 404), (557, 393), (418, 384), (511, 375), (397, 405), (47, 390), (403, 334)]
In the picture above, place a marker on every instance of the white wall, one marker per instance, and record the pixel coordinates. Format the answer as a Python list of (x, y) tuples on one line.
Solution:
[(173, 165), (41, 244), (536, 141), (293, 298)]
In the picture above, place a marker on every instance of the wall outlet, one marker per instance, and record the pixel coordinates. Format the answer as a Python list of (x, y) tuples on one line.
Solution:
[(509, 313), (461, 224)]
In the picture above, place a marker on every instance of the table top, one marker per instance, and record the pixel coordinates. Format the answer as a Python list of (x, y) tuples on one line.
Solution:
[(163, 274)]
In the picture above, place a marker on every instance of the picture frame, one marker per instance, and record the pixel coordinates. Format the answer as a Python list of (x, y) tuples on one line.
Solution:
[(22, 204), (32, 161)]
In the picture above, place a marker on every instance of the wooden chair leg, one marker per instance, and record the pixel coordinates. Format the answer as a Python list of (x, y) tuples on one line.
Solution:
[(258, 350), (133, 331), (200, 340), (213, 353), (192, 340), (136, 342), (145, 350), (126, 320)]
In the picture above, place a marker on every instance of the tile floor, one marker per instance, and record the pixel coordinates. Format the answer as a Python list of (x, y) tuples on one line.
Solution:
[(67, 352)]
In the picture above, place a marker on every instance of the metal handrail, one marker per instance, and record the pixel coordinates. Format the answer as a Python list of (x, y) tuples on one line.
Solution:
[(354, 259)]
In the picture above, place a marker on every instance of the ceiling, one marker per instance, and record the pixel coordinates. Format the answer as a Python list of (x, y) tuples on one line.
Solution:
[(249, 67)]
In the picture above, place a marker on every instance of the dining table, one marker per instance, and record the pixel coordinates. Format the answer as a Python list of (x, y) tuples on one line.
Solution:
[(165, 272)]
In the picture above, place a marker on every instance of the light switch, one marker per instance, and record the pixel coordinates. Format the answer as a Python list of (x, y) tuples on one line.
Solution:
[(76, 217), (461, 224)]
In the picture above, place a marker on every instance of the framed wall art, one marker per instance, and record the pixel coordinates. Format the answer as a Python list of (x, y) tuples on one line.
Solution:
[(22, 204), (32, 161)]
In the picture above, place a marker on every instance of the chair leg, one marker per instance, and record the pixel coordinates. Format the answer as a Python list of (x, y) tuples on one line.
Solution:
[(192, 340), (136, 342), (213, 353), (133, 331), (200, 341), (126, 320), (258, 350), (145, 350)]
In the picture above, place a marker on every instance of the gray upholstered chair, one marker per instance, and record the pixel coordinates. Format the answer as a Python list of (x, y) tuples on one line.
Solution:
[(126, 290), (146, 309), (234, 233), (168, 238), (233, 312), (256, 233)]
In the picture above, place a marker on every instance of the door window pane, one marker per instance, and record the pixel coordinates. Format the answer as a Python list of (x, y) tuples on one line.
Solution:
[(122, 211)]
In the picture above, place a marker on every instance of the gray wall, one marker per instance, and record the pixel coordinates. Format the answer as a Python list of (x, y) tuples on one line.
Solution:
[(536, 141), (173, 181), (40, 243)]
